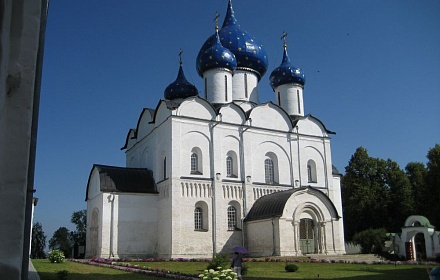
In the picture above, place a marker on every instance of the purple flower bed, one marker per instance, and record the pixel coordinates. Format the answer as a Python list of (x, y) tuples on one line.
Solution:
[(109, 263), (124, 265)]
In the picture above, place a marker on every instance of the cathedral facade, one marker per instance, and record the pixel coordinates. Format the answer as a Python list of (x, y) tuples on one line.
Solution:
[(205, 173)]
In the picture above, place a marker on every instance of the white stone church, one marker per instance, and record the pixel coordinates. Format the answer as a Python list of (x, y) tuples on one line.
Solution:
[(209, 171)]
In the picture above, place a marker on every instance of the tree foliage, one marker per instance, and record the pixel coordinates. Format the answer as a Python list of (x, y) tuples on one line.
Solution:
[(433, 185), (61, 240), (38, 243), (79, 219), (401, 203), (416, 173), (371, 240), (376, 193), (364, 193)]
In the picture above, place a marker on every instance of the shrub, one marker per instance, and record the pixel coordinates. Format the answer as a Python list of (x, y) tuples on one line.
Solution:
[(218, 261), (221, 274), (291, 267), (62, 275), (56, 256), (244, 269), (370, 240)]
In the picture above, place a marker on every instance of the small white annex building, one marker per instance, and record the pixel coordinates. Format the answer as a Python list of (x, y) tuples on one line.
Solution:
[(205, 174), (417, 241)]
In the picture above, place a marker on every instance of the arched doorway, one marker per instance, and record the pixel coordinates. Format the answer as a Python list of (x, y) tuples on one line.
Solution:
[(307, 236), (420, 246)]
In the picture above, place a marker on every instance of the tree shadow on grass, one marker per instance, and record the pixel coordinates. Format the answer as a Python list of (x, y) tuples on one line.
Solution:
[(98, 276), (376, 274)]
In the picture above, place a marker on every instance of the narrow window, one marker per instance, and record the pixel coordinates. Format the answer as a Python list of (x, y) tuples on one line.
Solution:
[(206, 88), (269, 171), (194, 163), (311, 172), (299, 103), (165, 168), (245, 85), (279, 99), (226, 88), (198, 218), (232, 218), (229, 166)]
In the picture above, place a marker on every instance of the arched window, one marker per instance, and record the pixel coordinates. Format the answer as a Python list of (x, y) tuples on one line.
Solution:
[(194, 163), (232, 218), (311, 172), (198, 218), (269, 171), (229, 166)]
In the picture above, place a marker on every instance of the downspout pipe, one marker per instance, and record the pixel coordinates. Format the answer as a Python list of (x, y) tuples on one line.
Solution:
[(33, 140), (273, 238), (111, 199), (214, 182)]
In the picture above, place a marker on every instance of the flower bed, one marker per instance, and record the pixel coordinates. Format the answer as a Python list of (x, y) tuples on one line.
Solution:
[(125, 265)]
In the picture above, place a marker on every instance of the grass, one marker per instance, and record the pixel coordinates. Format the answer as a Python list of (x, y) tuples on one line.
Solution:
[(47, 271), (257, 271)]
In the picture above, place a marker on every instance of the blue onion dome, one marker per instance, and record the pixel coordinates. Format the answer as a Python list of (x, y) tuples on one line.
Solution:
[(249, 53), (215, 56), (180, 88), (286, 73)]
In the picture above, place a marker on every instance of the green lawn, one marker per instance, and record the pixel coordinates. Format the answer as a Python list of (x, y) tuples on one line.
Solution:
[(257, 271), (77, 271)]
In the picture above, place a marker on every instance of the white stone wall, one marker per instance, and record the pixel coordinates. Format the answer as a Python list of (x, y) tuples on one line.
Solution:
[(135, 225), (260, 239), (19, 74), (195, 127)]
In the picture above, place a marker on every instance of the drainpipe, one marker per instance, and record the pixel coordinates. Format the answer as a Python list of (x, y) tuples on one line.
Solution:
[(299, 156), (215, 178), (33, 141), (325, 166), (273, 238), (111, 199)]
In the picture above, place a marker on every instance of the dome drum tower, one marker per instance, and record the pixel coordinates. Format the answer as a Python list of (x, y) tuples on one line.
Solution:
[(288, 82), (245, 86)]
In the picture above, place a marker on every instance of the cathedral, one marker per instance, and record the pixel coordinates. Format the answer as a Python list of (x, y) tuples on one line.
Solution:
[(207, 171)]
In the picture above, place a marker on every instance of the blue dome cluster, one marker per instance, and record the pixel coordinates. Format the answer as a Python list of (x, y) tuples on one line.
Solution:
[(249, 53), (215, 56), (286, 73), (180, 88)]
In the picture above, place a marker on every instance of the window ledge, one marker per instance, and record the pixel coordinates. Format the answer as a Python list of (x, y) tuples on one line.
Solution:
[(201, 230)]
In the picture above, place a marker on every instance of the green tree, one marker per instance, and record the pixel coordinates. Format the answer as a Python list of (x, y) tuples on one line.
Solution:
[(79, 219), (401, 204), (38, 243), (371, 240), (365, 194), (433, 185), (416, 173), (60, 240)]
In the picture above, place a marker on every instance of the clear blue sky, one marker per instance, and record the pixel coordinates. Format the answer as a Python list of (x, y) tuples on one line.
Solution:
[(372, 70)]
